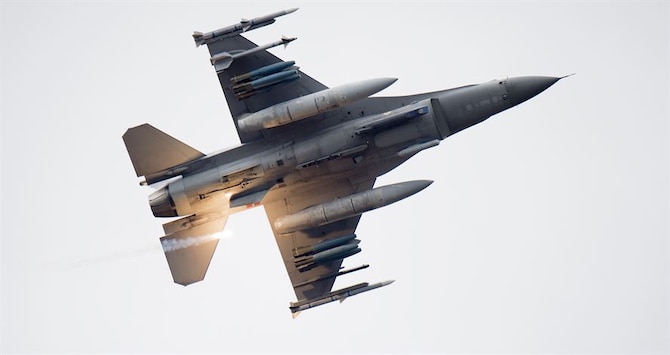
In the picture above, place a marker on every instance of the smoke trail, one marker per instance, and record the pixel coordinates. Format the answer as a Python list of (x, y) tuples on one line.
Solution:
[(87, 259), (172, 244)]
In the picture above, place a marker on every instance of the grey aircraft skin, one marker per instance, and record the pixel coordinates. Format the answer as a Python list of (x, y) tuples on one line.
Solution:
[(309, 155)]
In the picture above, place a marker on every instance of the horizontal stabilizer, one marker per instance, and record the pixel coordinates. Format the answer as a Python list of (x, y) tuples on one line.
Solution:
[(189, 251), (153, 151)]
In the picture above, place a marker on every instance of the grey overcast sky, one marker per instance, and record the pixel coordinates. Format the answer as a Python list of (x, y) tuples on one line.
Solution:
[(546, 230)]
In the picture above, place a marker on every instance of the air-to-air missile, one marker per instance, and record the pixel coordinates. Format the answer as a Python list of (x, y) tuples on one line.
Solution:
[(338, 295), (244, 26), (312, 104), (350, 206), (223, 60)]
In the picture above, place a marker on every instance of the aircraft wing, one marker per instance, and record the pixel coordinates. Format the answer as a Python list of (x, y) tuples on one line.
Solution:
[(248, 95), (318, 280)]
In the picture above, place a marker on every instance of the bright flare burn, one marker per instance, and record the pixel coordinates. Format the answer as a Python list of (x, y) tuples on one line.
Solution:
[(176, 244)]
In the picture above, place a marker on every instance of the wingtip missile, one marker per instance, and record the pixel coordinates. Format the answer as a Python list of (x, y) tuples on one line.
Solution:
[(266, 18), (338, 295), (365, 289), (245, 25)]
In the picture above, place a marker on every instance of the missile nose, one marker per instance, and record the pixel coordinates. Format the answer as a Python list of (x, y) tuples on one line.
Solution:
[(523, 88), (373, 86)]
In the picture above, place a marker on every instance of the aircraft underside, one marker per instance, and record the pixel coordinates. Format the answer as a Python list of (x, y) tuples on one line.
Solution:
[(309, 154)]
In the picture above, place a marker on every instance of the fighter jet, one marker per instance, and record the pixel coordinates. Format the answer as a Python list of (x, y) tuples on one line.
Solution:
[(309, 154)]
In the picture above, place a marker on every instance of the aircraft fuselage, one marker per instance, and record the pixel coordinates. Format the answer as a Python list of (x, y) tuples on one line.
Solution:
[(372, 136)]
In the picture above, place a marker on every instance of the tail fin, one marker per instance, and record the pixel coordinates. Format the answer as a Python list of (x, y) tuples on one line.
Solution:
[(153, 151)]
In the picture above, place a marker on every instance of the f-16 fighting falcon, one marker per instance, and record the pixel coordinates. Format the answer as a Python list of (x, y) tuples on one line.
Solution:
[(310, 155)]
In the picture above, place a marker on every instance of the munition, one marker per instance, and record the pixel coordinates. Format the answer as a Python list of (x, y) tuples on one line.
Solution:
[(244, 26), (263, 71), (336, 253), (252, 87), (326, 251), (339, 295), (273, 79), (223, 60), (325, 245), (263, 20)]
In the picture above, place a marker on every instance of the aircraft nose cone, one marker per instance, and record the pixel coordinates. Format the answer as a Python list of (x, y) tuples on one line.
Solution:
[(523, 88)]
